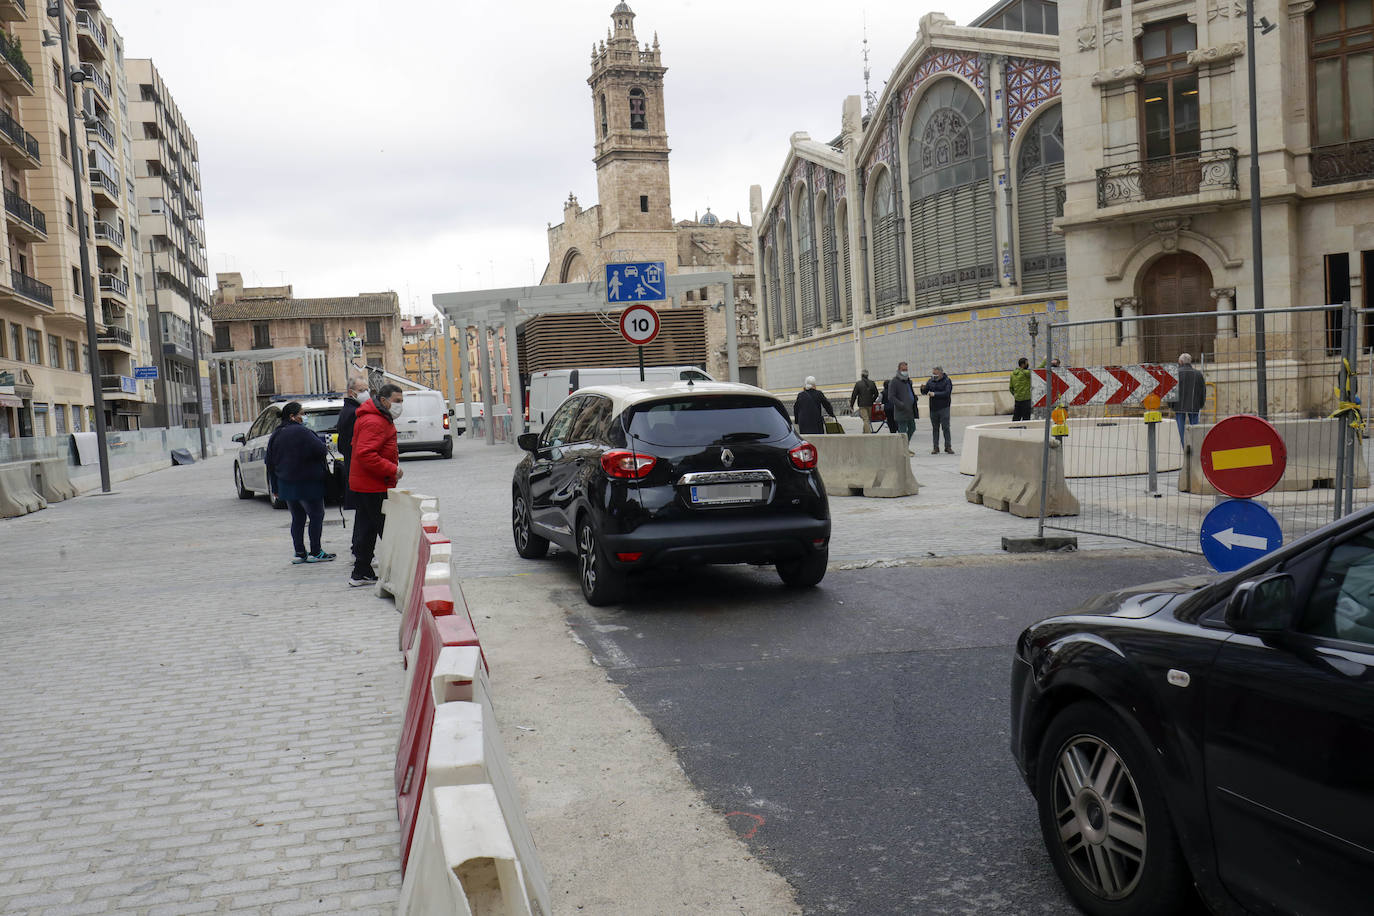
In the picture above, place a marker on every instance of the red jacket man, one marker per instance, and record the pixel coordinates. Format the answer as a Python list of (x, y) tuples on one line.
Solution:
[(375, 468)]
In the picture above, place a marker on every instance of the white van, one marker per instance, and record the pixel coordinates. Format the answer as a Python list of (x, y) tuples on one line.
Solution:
[(550, 388), (424, 425)]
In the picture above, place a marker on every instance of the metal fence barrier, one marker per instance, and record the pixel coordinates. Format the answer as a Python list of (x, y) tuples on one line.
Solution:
[(1141, 481)]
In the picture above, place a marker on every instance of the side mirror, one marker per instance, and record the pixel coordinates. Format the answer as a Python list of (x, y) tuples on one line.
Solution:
[(238, 437), (528, 441), (1263, 605)]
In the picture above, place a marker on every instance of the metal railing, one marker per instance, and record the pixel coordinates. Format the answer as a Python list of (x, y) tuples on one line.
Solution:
[(102, 131), (109, 185), (1167, 176), (1339, 162), (121, 383), (97, 79), (11, 52), (107, 232), (87, 23), (111, 283), (33, 289), (19, 135), (19, 207), (116, 334)]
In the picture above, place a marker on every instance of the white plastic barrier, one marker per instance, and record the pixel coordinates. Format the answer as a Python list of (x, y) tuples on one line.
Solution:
[(463, 862), (400, 540)]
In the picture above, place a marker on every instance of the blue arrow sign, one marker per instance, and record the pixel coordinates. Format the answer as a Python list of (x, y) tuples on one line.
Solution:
[(641, 281), (1238, 531)]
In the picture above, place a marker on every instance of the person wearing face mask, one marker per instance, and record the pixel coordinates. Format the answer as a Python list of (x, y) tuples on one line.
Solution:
[(902, 399), (296, 473), (356, 394), (865, 393), (375, 469)]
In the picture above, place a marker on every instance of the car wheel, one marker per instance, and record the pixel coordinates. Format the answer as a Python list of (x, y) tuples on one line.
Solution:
[(1104, 818), (447, 450), (244, 492), (528, 544), (804, 571), (601, 584)]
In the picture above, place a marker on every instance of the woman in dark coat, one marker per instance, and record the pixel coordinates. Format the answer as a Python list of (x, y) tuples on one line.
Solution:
[(811, 409), (296, 473)]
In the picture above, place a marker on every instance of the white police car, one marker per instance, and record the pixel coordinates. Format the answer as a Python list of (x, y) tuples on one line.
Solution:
[(250, 467)]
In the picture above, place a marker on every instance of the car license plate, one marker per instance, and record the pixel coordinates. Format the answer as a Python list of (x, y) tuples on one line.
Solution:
[(406, 435), (720, 494)]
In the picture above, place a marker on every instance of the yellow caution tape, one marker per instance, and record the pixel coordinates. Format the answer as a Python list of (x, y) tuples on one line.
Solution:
[(1350, 407)]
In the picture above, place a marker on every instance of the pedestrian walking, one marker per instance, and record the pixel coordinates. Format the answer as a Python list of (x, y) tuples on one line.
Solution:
[(296, 473), (811, 409), (355, 395), (376, 469), (865, 394), (888, 417), (902, 400), (1021, 391), (939, 387), (1192, 394)]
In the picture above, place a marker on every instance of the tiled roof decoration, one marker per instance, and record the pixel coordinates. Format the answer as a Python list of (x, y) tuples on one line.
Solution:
[(1030, 83), (383, 305), (935, 62)]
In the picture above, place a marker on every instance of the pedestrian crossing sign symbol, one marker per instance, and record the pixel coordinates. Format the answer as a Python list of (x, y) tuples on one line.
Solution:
[(639, 281)]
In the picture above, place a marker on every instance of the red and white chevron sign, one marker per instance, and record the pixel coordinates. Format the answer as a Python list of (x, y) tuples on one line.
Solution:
[(1116, 385)]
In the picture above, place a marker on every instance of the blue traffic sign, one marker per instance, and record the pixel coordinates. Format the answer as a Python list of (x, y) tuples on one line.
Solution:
[(145, 372), (642, 281), (1238, 531)]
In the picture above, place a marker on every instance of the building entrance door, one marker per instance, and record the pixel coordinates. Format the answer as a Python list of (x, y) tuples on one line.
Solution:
[(1177, 284)]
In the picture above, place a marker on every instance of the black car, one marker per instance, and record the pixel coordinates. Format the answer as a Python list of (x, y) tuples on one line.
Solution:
[(1214, 732), (690, 473)]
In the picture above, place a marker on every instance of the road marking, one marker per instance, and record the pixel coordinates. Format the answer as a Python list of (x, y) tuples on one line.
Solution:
[(1254, 456), (1231, 540)]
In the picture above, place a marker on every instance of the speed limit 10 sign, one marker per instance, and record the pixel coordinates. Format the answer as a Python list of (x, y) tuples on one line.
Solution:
[(639, 324)]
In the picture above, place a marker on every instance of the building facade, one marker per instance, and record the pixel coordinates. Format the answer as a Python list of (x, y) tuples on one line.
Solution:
[(632, 219), (1157, 218), (925, 230), (171, 243), (272, 318)]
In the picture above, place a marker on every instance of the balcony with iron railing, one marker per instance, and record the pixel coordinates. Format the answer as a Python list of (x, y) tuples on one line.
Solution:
[(20, 140), (97, 80), (109, 283), (107, 184), (33, 222), (108, 232), (15, 73), (1172, 179), (121, 384), (114, 334), (30, 288), (102, 130), (88, 26), (1337, 163)]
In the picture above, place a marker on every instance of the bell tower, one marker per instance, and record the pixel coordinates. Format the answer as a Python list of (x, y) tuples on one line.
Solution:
[(631, 141)]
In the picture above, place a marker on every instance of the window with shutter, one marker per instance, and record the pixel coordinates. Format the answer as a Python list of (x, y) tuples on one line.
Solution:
[(1039, 186), (789, 279), (806, 279), (775, 327), (846, 262), (886, 266), (830, 284), (953, 244)]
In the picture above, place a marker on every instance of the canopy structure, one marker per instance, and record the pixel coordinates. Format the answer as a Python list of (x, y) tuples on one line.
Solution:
[(231, 367), (513, 305)]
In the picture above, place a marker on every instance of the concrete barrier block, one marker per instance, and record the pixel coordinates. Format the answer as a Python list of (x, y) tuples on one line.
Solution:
[(1312, 447), (17, 493), (464, 862), (52, 481), (866, 465), (1008, 477)]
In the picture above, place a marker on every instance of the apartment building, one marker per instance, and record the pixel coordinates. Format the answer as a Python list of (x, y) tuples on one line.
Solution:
[(171, 231)]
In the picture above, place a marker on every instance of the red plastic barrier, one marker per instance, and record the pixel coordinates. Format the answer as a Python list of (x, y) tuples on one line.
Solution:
[(410, 613), (412, 752), (436, 599)]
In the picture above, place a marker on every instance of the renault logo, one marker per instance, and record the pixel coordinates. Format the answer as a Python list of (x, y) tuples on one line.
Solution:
[(727, 457)]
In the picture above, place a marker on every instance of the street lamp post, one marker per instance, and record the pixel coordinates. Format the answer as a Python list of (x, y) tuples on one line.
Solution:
[(87, 279), (1256, 231)]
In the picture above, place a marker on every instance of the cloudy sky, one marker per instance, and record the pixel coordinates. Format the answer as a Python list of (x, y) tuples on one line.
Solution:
[(423, 147)]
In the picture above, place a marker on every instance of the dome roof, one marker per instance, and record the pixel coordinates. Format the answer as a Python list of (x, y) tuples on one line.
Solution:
[(622, 7), (710, 219)]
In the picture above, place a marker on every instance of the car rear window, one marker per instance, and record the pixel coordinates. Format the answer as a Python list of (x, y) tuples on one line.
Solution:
[(322, 421), (707, 419)]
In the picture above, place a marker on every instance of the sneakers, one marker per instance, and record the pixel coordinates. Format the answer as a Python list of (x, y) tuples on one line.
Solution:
[(320, 557), (356, 581), (298, 559)]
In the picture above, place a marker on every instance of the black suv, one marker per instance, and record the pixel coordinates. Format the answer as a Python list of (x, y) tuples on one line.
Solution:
[(684, 474)]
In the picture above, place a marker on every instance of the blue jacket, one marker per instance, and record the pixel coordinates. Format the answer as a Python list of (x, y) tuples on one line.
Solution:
[(939, 390), (295, 452)]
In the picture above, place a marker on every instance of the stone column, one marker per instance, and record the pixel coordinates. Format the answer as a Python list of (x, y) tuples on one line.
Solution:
[(1129, 307), (1226, 306)]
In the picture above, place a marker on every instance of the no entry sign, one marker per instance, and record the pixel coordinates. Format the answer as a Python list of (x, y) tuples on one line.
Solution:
[(1243, 456), (639, 324)]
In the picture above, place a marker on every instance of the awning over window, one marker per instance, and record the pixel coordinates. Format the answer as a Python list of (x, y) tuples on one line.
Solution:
[(9, 400)]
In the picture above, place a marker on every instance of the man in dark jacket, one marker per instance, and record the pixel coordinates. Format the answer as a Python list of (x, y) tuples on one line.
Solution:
[(865, 393), (356, 394), (296, 473), (939, 388), (375, 469), (901, 404), (1192, 394), (811, 409)]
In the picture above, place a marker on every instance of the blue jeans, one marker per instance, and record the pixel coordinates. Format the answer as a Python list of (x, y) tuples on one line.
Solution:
[(1183, 419), (301, 509)]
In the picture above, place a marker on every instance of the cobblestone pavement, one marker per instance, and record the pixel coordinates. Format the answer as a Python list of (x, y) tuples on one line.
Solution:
[(191, 724)]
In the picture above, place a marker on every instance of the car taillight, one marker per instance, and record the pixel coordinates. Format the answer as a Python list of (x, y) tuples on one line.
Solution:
[(445, 421), (804, 456), (627, 465)]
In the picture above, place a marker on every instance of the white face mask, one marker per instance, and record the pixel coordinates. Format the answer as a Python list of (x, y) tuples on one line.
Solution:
[(395, 409)]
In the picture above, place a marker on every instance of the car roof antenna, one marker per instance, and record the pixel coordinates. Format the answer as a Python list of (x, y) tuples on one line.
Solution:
[(690, 383)]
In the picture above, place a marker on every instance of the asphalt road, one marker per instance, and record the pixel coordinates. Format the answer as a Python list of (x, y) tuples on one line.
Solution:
[(856, 734)]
